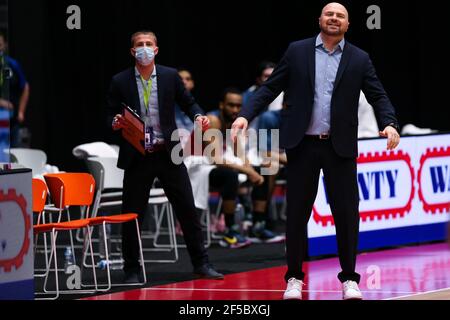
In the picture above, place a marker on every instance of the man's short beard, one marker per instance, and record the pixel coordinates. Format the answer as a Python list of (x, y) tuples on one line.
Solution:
[(336, 33)]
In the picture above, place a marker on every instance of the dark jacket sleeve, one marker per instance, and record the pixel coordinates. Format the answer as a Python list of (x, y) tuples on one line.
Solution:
[(114, 103), (185, 99), (269, 90), (377, 97)]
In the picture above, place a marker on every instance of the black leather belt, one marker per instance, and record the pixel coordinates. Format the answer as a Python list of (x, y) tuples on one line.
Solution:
[(318, 137)]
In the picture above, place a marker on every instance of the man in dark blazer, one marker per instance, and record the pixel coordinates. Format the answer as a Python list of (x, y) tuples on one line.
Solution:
[(152, 91), (322, 78)]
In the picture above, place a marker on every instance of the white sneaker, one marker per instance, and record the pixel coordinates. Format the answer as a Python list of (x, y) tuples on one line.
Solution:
[(350, 291), (293, 290)]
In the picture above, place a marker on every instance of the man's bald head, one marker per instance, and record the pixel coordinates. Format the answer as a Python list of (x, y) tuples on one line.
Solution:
[(334, 20), (335, 5)]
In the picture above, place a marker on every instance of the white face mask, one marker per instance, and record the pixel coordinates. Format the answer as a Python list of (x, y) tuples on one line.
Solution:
[(144, 55)]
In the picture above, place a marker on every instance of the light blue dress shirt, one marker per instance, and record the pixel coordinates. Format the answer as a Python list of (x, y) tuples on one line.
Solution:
[(152, 114), (327, 64)]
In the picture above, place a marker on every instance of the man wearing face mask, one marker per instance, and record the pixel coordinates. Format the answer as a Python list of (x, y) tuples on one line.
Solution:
[(152, 90)]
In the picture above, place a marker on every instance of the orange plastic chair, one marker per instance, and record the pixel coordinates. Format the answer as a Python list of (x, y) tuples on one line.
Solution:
[(115, 219), (69, 189), (39, 195), (39, 192), (79, 189), (53, 228), (63, 198)]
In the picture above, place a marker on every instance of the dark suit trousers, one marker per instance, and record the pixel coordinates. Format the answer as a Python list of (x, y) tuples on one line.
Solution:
[(304, 164), (137, 182)]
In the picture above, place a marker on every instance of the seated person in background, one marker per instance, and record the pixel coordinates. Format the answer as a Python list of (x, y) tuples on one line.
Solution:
[(198, 171), (264, 70), (203, 176), (270, 119), (228, 164)]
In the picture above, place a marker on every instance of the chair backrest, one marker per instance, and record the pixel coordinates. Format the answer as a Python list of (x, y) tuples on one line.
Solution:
[(39, 195), (105, 172), (13, 158), (71, 189), (116, 148), (94, 149), (97, 171), (34, 159)]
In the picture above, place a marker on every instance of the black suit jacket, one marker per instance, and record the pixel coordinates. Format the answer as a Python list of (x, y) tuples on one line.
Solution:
[(123, 89), (295, 74)]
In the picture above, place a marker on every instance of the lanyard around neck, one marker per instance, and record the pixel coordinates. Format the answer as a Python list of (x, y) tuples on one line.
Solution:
[(147, 91)]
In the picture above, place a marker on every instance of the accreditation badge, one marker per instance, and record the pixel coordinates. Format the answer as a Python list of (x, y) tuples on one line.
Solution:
[(149, 135)]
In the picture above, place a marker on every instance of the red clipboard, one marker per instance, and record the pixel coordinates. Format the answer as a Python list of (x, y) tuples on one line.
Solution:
[(135, 132)]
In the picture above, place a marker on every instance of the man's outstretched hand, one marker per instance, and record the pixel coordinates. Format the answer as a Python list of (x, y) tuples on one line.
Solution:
[(239, 124), (393, 138), (203, 122)]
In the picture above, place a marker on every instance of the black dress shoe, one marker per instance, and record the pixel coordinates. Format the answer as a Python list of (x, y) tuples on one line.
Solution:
[(206, 271), (131, 277)]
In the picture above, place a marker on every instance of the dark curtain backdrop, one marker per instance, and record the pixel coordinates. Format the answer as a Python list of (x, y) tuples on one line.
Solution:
[(221, 42)]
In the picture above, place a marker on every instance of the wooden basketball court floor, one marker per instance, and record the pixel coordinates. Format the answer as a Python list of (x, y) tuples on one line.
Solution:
[(409, 273)]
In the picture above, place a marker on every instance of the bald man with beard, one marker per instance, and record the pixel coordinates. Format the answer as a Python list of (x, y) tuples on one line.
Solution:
[(322, 78)]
